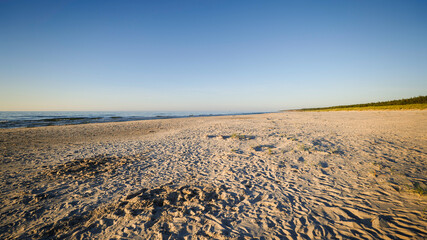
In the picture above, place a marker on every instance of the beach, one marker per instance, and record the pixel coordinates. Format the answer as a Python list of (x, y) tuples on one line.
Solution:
[(288, 175)]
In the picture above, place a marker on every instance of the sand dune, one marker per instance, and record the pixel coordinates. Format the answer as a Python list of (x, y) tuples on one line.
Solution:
[(330, 175)]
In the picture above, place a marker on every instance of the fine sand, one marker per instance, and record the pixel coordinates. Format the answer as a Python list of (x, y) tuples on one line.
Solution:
[(292, 175)]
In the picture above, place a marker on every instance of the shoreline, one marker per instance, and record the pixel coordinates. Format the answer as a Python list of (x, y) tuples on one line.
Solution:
[(274, 175), (31, 119)]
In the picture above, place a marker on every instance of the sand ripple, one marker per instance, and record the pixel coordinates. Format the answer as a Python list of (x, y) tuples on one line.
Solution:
[(356, 175)]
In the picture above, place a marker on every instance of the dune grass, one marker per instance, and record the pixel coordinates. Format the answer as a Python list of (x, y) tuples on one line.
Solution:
[(415, 103), (419, 189), (391, 107)]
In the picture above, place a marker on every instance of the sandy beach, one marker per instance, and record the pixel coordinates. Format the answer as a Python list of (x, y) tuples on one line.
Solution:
[(290, 175)]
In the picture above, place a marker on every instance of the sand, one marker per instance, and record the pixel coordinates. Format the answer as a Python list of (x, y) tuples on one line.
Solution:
[(291, 175)]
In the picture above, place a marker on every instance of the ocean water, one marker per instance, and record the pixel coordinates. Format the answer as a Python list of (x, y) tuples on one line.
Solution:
[(40, 119)]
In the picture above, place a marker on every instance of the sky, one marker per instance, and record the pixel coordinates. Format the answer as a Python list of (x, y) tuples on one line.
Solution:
[(209, 55)]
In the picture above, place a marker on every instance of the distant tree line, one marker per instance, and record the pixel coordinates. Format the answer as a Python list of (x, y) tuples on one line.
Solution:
[(414, 100)]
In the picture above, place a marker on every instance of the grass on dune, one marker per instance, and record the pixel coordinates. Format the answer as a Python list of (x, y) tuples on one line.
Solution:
[(415, 103), (420, 106)]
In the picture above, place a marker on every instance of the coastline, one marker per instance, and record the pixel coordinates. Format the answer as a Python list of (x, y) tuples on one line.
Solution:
[(275, 175), (30, 119)]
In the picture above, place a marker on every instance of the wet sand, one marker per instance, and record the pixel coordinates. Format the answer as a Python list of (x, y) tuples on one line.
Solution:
[(291, 175)]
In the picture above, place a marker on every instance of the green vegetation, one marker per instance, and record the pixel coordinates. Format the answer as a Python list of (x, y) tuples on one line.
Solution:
[(303, 147), (292, 138), (402, 104), (260, 148), (241, 136), (335, 151), (419, 189)]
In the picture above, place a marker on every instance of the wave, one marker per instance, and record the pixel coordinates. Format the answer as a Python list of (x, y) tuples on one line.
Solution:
[(38, 119)]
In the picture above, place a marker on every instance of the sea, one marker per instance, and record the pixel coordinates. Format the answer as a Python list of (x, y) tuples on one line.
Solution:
[(26, 119)]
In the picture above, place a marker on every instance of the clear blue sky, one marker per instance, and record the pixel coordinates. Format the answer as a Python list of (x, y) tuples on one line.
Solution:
[(209, 55)]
